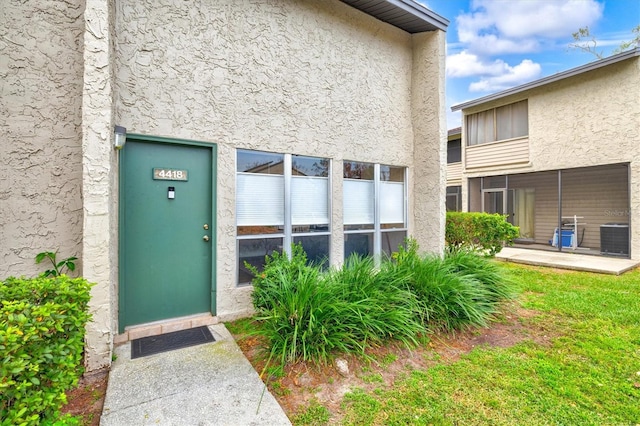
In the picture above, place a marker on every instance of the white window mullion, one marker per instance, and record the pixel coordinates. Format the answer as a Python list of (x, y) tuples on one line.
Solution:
[(406, 197), (377, 238), (287, 205)]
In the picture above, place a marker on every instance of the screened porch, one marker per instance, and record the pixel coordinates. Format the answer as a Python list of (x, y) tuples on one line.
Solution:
[(582, 210)]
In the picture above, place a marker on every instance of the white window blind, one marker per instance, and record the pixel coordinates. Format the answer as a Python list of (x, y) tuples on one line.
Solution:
[(259, 200), (309, 200), (391, 202), (358, 202)]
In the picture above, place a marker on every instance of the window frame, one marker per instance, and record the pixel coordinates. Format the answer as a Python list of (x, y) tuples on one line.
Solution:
[(493, 137), (454, 151), (287, 233), (377, 230), (454, 191)]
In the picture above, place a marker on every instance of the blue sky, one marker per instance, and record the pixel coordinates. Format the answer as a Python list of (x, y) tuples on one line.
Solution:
[(493, 45)]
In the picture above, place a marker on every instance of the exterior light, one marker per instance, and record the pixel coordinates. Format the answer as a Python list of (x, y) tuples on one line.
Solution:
[(119, 137)]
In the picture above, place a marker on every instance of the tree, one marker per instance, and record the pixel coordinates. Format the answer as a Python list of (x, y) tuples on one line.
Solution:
[(631, 44), (585, 41)]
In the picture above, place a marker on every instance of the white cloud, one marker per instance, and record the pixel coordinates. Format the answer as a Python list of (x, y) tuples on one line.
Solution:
[(465, 64), (498, 27), (522, 73)]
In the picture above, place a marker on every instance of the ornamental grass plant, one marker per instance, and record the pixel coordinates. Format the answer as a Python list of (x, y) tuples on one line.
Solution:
[(309, 314), (378, 304), (460, 290)]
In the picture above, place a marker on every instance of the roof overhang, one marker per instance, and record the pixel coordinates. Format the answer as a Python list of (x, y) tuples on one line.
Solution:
[(407, 15), (454, 132), (552, 78)]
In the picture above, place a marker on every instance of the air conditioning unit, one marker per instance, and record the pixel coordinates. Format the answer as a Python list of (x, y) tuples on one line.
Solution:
[(614, 239)]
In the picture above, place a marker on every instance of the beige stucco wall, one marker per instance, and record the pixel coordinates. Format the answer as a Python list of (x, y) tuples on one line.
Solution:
[(312, 78), (40, 123), (429, 164), (100, 190), (592, 119), (586, 120)]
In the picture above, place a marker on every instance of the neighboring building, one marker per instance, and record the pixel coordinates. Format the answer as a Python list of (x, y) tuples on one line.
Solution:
[(454, 170), (250, 125), (562, 152)]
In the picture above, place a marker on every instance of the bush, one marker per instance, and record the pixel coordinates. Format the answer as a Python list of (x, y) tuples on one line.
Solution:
[(488, 273), (299, 314), (479, 231), (456, 291), (42, 326), (308, 314), (379, 305), (278, 271)]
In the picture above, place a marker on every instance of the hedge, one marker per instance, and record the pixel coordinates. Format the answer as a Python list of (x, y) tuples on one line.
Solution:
[(42, 327), (479, 231)]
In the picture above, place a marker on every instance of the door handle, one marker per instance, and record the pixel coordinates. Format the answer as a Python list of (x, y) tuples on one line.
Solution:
[(206, 238)]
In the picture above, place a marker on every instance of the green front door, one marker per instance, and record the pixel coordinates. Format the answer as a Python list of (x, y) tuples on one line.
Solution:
[(167, 234)]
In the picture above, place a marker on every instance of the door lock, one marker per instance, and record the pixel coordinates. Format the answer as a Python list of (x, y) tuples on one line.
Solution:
[(206, 226), (206, 238)]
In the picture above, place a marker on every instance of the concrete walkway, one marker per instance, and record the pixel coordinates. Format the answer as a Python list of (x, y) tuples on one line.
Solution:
[(209, 384), (566, 260)]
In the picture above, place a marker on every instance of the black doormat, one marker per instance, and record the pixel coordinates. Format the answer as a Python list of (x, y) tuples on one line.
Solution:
[(167, 342)]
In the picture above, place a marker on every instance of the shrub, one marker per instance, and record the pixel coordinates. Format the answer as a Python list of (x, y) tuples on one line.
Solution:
[(479, 231), (42, 326), (308, 314), (459, 290), (380, 305), (267, 285), (488, 273), (300, 319)]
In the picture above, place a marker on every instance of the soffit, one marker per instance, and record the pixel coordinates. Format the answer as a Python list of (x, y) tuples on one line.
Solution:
[(407, 15)]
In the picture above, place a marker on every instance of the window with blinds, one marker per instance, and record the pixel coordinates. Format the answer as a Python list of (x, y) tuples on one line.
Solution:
[(374, 208), (281, 199)]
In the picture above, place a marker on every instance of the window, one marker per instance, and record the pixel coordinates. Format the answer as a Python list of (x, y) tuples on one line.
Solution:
[(374, 211), (506, 122), (454, 151), (454, 198), (280, 199)]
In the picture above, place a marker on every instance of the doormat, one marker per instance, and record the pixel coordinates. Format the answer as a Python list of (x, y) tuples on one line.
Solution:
[(167, 342)]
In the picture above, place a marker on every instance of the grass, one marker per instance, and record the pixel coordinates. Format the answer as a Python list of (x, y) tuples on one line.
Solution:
[(586, 374)]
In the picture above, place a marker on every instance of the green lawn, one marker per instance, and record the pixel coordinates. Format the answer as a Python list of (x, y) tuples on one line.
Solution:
[(587, 372)]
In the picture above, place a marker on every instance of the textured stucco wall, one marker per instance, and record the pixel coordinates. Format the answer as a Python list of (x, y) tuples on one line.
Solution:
[(100, 244), (586, 120), (40, 123), (430, 141), (305, 77)]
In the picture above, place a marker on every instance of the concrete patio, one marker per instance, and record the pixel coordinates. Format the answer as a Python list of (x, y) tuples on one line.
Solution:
[(567, 260)]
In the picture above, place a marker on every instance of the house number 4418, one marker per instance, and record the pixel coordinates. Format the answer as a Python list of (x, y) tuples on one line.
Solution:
[(169, 174)]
